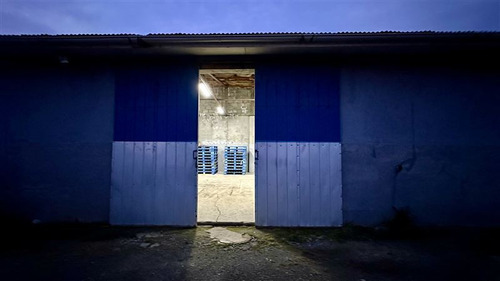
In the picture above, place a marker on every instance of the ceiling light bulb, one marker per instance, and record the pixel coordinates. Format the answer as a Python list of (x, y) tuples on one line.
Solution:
[(205, 90), (220, 110)]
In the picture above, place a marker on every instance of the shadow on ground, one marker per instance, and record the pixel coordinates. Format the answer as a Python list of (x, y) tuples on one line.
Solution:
[(356, 253), (101, 252), (95, 252)]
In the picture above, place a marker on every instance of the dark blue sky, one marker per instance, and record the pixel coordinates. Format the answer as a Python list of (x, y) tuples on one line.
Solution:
[(167, 16)]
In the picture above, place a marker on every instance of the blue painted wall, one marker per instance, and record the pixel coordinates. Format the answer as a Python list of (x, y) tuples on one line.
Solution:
[(156, 129), (297, 102), (440, 126), (298, 172), (157, 103), (56, 133)]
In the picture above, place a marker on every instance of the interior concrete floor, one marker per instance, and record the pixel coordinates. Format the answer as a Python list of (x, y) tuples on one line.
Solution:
[(226, 198)]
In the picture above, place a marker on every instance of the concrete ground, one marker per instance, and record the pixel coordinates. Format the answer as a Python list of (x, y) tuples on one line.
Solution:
[(226, 198), (79, 252)]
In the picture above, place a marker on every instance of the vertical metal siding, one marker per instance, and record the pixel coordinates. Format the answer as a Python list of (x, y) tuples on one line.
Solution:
[(297, 103), (153, 170), (298, 184), (156, 104), (298, 173), (152, 183)]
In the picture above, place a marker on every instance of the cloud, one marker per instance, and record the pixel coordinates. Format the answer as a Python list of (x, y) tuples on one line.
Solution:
[(202, 16), (12, 23), (41, 17)]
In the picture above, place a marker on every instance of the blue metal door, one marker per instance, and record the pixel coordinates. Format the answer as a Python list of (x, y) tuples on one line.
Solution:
[(153, 171), (297, 123)]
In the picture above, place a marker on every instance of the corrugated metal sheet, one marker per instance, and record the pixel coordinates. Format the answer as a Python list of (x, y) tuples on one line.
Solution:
[(298, 184), (153, 183), (297, 103), (249, 33), (153, 170), (157, 103), (298, 172)]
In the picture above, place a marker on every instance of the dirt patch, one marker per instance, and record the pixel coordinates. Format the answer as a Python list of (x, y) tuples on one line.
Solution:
[(76, 252)]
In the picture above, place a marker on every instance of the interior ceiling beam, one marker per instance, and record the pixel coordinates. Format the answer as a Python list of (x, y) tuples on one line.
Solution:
[(215, 79), (228, 71), (229, 100), (240, 78)]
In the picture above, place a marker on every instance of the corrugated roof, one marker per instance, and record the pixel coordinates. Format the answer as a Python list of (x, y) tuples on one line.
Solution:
[(257, 43), (330, 33), (69, 35), (385, 32)]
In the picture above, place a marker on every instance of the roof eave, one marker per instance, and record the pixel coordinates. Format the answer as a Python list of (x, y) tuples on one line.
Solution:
[(245, 44)]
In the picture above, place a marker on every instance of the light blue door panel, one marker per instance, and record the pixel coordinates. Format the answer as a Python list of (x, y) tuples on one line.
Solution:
[(152, 184), (298, 184)]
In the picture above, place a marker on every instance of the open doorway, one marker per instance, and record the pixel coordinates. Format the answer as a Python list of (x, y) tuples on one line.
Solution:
[(226, 145)]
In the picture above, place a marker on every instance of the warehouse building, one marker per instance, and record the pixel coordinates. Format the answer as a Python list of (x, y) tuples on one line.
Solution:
[(284, 129)]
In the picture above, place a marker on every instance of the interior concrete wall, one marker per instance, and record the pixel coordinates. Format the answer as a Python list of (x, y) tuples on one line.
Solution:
[(228, 130), (56, 135), (237, 127), (426, 139)]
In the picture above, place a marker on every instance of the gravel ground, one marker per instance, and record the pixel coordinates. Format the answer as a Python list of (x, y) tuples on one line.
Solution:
[(83, 252)]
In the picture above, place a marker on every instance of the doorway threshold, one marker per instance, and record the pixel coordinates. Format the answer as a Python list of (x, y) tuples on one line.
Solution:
[(215, 223)]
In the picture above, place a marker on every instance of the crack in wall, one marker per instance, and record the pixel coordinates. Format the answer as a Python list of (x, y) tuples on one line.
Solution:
[(407, 164)]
